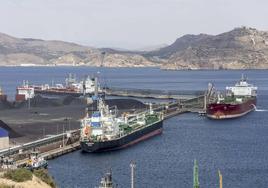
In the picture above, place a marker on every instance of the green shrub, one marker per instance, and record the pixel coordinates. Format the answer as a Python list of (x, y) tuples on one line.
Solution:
[(45, 177), (18, 175)]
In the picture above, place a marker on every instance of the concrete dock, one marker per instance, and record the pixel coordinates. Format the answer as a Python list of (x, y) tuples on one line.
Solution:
[(153, 94), (60, 144), (53, 153)]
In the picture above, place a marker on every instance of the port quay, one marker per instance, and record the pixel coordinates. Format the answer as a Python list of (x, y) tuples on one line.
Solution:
[(56, 145), (68, 127)]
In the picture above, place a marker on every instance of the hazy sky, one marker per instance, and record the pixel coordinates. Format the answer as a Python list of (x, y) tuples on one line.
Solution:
[(128, 24)]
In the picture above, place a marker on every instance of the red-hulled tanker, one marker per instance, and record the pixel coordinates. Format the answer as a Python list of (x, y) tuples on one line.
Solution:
[(237, 101)]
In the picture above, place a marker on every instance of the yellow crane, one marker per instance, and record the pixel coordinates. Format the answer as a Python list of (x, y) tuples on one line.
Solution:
[(220, 179)]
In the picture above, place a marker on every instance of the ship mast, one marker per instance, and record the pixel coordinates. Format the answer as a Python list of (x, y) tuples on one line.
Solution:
[(243, 77), (196, 181)]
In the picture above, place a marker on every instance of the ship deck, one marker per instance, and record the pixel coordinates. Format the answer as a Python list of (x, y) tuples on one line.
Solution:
[(232, 99)]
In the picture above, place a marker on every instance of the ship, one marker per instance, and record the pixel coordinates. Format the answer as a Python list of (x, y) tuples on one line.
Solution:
[(107, 181), (71, 87), (104, 130), (24, 92), (237, 101), (36, 161), (3, 96)]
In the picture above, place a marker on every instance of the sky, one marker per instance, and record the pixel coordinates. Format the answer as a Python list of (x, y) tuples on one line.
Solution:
[(127, 24)]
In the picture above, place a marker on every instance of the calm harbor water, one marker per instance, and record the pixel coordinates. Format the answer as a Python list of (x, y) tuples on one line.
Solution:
[(237, 147)]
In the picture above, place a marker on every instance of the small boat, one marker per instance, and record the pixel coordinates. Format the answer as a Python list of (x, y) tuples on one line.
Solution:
[(36, 162)]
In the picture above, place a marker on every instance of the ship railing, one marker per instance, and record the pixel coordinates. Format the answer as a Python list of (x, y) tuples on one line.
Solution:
[(153, 91), (138, 115), (139, 127)]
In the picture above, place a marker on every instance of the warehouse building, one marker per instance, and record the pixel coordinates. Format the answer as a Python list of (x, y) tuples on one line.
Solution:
[(4, 139)]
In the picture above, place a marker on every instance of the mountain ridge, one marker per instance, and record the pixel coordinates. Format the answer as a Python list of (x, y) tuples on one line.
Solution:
[(240, 48), (21, 51)]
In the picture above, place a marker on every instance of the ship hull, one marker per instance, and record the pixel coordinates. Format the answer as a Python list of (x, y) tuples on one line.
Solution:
[(62, 92), (229, 111), (124, 141)]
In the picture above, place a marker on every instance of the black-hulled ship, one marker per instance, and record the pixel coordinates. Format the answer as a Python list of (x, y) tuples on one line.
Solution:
[(104, 131)]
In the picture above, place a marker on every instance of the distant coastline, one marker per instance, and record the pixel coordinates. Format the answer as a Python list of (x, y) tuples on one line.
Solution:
[(155, 67), (241, 48)]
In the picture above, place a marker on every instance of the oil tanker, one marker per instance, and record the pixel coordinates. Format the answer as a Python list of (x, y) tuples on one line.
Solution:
[(236, 102), (105, 131), (71, 87)]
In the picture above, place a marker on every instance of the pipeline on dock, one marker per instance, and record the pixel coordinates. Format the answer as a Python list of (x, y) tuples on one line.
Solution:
[(63, 143)]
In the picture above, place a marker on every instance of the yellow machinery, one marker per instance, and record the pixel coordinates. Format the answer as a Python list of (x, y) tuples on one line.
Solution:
[(220, 179)]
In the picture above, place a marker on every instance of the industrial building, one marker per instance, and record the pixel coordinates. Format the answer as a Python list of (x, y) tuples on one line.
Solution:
[(4, 138)]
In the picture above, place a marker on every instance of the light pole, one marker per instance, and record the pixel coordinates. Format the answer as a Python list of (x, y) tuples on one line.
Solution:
[(132, 167), (29, 99), (63, 135), (69, 121)]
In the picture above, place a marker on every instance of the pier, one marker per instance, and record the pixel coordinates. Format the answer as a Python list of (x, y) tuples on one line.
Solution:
[(153, 94), (51, 154), (66, 142)]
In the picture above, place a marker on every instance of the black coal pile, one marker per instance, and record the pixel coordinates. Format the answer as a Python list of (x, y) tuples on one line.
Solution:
[(11, 132), (122, 104), (71, 100), (5, 105), (39, 101)]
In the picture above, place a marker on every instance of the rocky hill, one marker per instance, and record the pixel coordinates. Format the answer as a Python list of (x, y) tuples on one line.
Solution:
[(16, 51), (241, 48)]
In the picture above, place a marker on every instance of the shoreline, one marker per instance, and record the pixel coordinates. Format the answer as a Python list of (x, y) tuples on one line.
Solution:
[(128, 67)]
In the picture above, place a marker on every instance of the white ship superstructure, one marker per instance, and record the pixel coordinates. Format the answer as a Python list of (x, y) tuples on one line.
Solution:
[(25, 92), (102, 125), (242, 88), (86, 86)]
